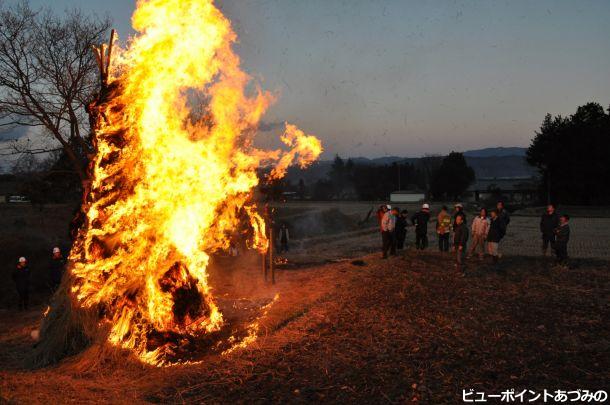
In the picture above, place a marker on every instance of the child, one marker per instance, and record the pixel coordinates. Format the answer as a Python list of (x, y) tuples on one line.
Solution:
[(460, 242), (562, 237)]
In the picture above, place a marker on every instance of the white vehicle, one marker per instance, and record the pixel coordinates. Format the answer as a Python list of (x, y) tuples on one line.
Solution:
[(18, 199)]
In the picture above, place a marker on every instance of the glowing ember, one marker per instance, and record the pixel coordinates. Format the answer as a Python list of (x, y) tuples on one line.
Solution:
[(170, 182)]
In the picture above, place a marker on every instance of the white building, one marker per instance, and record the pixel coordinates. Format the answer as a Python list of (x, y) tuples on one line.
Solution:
[(407, 196)]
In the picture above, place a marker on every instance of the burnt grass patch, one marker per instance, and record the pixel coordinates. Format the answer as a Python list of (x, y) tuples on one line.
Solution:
[(398, 330)]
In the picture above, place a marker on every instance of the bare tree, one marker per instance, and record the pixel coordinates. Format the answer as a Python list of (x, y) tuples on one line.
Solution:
[(48, 74), (429, 165)]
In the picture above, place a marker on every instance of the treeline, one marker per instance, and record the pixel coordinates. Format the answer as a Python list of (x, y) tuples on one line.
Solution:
[(436, 176), (571, 154)]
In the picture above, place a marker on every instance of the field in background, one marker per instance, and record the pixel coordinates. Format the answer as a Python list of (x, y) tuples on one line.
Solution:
[(590, 230)]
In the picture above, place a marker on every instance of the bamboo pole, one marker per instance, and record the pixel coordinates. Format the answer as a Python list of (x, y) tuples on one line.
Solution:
[(271, 266), (264, 264), (112, 35)]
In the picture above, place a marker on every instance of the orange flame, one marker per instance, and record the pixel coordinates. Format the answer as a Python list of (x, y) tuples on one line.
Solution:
[(169, 192)]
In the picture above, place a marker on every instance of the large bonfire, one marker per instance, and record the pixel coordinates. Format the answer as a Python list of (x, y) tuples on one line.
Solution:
[(172, 180)]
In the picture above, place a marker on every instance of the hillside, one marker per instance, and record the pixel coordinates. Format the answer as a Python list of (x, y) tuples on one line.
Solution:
[(489, 162), (496, 152)]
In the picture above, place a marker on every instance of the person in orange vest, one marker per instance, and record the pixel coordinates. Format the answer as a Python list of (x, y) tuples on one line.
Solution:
[(443, 229)]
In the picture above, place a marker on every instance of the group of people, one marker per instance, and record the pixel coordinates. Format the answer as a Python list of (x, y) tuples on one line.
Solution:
[(21, 276), (486, 231)]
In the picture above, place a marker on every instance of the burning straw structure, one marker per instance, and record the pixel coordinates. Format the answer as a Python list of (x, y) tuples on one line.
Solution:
[(169, 186)]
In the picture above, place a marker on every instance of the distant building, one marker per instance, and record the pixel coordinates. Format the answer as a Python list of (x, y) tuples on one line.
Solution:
[(289, 195), (9, 186), (517, 189), (406, 196)]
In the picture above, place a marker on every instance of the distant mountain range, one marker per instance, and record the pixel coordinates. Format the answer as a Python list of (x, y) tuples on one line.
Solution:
[(496, 152), (488, 162)]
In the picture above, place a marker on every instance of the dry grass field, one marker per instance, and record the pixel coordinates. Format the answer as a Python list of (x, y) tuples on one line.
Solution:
[(348, 326)]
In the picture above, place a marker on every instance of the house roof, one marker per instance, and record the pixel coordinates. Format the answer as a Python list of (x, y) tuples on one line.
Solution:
[(408, 192)]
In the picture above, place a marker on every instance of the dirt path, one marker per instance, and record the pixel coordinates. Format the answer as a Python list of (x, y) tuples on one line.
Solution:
[(389, 330)]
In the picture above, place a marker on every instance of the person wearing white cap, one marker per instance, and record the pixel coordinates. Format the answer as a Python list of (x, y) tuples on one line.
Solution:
[(420, 220), (388, 224), (21, 277), (459, 211), (56, 268)]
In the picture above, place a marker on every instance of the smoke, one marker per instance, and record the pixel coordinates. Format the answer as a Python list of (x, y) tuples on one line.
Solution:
[(268, 126)]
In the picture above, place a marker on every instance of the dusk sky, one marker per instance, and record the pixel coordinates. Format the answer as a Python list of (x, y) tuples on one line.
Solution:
[(376, 78)]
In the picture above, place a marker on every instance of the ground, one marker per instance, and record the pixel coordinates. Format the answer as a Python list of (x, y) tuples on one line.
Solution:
[(349, 326)]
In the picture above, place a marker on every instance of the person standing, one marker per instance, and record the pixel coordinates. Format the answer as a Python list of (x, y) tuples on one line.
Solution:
[(380, 213), (443, 229), (388, 224), (400, 231), (284, 238), (562, 237), (480, 228), (460, 243), (420, 220), (503, 215), (548, 223), (57, 266), (494, 235), (504, 218), (458, 211), (21, 277)]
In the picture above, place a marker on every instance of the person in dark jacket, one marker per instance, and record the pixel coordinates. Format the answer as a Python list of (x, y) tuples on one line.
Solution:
[(494, 235), (283, 239), (548, 223), (562, 237), (504, 218), (420, 220), (21, 277), (460, 243), (56, 267), (503, 215), (400, 230)]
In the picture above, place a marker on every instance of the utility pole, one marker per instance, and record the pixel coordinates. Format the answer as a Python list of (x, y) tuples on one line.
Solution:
[(398, 167), (548, 186)]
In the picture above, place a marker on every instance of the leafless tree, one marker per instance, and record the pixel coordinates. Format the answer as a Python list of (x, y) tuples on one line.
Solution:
[(48, 74), (429, 164)]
